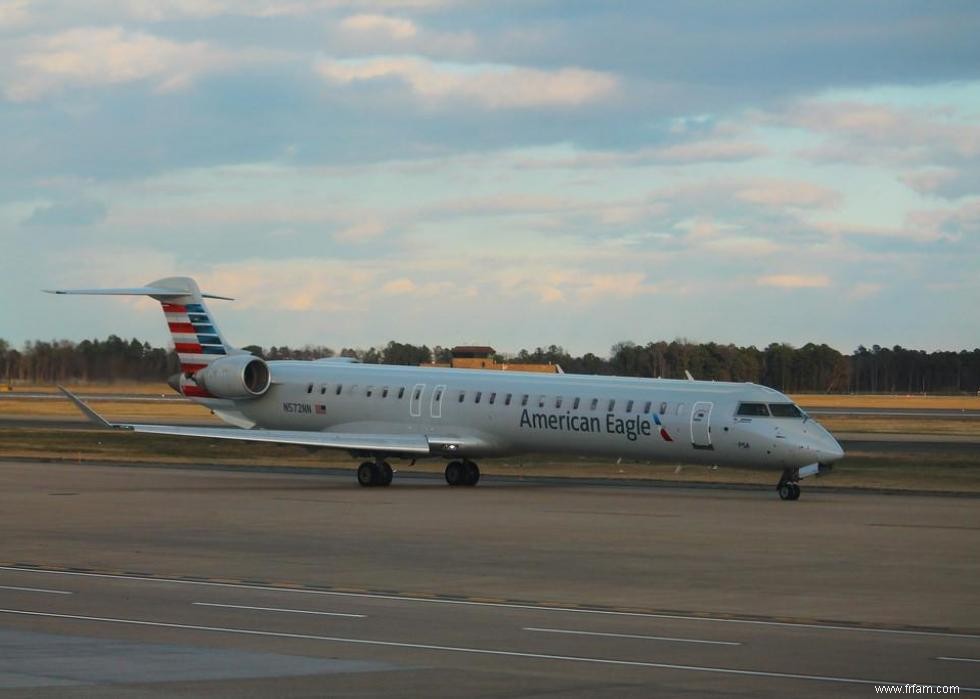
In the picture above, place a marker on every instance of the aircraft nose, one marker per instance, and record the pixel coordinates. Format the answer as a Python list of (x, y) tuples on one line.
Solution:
[(830, 451)]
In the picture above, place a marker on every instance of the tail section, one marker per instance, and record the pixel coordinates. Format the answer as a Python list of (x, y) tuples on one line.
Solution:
[(196, 336)]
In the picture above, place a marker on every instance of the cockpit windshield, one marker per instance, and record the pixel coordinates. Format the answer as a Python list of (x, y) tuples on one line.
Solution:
[(785, 410), (773, 409)]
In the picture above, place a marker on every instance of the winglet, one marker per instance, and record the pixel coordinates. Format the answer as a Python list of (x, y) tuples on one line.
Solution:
[(89, 413)]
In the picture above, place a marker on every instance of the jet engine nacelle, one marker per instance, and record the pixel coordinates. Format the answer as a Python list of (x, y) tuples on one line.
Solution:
[(235, 377)]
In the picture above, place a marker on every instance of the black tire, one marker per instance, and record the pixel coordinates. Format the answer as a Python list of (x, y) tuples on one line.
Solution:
[(472, 473), (785, 491), (386, 474), (366, 474), (455, 473)]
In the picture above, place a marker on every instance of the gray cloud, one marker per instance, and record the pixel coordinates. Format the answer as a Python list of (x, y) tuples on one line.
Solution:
[(82, 212)]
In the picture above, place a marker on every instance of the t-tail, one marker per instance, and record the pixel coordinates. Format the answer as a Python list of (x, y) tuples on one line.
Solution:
[(198, 341)]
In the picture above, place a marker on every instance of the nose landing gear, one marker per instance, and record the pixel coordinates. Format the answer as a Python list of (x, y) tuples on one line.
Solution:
[(788, 488)]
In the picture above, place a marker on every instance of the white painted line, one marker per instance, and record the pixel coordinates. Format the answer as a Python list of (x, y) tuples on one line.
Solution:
[(960, 660), (35, 589), (502, 605), (463, 649), (274, 609), (629, 635)]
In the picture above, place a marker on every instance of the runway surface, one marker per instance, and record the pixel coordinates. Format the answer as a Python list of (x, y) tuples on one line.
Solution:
[(140, 582)]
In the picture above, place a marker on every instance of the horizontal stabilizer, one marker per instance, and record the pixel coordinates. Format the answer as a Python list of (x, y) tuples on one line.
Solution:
[(156, 292)]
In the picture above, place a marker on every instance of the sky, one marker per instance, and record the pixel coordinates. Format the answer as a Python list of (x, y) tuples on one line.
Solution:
[(512, 173)]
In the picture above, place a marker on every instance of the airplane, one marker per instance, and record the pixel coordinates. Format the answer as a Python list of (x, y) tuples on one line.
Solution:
[(381, 412)]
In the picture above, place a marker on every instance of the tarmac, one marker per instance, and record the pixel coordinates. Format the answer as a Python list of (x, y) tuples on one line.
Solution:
[(120, 581)]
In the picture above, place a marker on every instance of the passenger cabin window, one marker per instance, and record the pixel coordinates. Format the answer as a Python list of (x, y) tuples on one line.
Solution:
[(629, 406), (575, 404), (594, 404), (785, 410), (507, 399), (753, 409), (612, 406)]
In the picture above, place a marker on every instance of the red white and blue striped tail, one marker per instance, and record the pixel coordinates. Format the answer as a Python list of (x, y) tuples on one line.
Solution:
[(196, 336)]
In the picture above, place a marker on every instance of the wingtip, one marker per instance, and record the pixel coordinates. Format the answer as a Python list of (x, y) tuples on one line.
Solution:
[(92, 416)]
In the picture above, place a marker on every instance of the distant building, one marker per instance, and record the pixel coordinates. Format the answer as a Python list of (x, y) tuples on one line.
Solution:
[(481, 357)]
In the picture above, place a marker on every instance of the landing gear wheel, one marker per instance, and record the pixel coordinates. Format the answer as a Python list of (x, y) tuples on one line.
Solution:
[(366, 474), (455, 473), (471, 473), (789, 491), (385, 473)]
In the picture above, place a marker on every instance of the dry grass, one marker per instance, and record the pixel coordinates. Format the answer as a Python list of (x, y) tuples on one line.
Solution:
[(119, 387), (115, 410), (918, 402), (966, 427)]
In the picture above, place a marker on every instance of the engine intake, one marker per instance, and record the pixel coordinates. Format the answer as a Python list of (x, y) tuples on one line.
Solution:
[(235, 377)]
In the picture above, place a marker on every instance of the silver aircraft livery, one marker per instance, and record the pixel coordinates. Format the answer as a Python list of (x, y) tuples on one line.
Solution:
[(381, 412)]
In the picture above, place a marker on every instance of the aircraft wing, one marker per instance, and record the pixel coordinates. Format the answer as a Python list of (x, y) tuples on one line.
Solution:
[(383, 443)]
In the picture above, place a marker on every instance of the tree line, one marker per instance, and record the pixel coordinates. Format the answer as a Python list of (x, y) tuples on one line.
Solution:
[(807, 369)]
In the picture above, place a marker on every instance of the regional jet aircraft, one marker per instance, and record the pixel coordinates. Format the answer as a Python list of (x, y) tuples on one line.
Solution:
[(380, 412)]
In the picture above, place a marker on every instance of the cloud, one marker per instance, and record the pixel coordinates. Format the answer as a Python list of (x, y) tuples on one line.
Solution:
[(884, 133), (795, 281), (782, 193), (98, 56), (943, 182), (360, 232), (14, 13), (390, 27), (687, 153), (495, 86), (82, 212)]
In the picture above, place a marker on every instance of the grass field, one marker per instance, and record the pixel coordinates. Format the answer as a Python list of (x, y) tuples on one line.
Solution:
[(917, 402)]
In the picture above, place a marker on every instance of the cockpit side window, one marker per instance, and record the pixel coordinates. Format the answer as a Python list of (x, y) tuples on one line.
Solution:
[(785, 410), (753, 410)]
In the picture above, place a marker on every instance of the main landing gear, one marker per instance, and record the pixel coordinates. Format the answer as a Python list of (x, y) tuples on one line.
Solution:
[(788, 488), (462, 473), (372, 473)]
